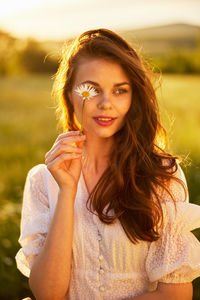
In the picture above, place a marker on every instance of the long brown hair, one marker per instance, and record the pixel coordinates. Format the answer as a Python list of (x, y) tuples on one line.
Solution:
[(139, 167)]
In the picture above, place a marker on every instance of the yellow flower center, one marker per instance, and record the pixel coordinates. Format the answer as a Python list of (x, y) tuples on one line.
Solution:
[(85, 94)]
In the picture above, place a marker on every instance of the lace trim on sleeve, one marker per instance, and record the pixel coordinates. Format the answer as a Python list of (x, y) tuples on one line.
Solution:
[(35, 219), (174, 257)]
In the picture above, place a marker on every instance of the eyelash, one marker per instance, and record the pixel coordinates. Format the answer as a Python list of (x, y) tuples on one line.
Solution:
[(120, 91)]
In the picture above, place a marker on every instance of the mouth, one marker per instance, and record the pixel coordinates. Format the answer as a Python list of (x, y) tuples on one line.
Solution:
[(106, 121)]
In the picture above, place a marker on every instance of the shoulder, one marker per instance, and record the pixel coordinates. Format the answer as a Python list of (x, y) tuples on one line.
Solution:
[(37, 170), (40, 172), (40, 180), (40, 177), (176, 185), (35, 181), (179, 185), (173, 166)]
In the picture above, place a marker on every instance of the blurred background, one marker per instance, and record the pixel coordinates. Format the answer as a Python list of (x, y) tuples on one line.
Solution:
[(167, 35)]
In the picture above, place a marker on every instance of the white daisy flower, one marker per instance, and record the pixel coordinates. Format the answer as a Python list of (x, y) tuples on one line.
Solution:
[(85, 91)]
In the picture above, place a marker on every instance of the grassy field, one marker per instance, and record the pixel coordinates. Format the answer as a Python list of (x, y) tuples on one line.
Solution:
[(28, 130), (179, 104)]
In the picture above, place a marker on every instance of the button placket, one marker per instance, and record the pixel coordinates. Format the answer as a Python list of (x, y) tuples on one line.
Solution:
[(101, 258), (99, 236), (101, 271), (102, 288)]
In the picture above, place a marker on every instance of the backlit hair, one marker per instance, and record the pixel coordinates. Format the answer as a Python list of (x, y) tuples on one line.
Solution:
[(139, 167)]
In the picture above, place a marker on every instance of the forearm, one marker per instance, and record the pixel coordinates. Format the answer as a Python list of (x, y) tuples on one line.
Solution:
[(50, 273), (156, 295), (166, 291)]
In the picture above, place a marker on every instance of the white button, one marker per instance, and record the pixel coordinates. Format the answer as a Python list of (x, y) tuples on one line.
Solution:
[(101, 288), (100, 257), (101, 271), (99, 237)]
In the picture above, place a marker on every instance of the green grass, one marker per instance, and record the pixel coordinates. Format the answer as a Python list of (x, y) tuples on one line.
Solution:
[(27, 127), (179, 102), (28, 130)]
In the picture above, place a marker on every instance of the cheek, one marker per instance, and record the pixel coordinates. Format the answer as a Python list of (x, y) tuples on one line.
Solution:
[(125, 106), (78, 108), (88, 110)]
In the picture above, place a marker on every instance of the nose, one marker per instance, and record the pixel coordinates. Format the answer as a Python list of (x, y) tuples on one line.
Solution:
[(105, 101)]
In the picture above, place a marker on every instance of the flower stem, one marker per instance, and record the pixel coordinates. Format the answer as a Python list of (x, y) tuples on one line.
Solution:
[(82, 120)]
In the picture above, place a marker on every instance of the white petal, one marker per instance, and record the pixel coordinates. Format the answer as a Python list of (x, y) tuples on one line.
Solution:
[(85, 87)]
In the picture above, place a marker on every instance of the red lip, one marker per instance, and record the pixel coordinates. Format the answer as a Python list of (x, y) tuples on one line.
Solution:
[(107, 117), (104, 123)]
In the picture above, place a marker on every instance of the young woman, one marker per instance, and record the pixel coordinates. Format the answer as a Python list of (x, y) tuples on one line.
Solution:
[(107, 216)]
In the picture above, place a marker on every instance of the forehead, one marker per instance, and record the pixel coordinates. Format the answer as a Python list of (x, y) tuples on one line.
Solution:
[(100, 70)]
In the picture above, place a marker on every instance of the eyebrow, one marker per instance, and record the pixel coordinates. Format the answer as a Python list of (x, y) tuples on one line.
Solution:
[(96, 84)]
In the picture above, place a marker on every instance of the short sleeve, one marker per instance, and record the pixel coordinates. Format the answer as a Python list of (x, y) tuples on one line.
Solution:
[(35, 219), (177, 190), (175, 256)]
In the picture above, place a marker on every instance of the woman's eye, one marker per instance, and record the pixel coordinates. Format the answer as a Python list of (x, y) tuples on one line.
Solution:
[(97, 90), (120, 91)]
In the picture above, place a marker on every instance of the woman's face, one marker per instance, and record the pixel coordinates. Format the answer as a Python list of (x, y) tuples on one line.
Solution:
[(113, 98)]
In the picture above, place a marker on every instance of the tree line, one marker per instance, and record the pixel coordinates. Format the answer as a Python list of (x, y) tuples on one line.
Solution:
[(28, 56)]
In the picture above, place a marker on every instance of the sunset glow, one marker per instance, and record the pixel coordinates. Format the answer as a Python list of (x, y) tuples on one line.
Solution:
[(48, 19)]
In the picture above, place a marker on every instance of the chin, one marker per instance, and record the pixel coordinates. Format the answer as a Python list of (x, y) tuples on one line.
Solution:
[(103, 132), (106, 133)]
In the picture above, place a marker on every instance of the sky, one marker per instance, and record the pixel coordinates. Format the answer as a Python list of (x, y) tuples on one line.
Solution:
[(60, 19)]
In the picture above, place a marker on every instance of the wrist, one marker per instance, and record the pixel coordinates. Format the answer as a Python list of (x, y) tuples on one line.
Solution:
[(67, 191)]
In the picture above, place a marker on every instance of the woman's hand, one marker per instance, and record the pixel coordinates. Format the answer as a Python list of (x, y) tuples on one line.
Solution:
[(66, 167), (169, 291)]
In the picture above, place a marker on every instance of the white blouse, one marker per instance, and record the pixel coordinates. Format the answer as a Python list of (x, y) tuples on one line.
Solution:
[(105, 264)]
